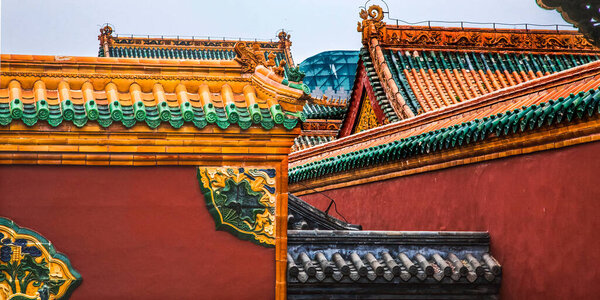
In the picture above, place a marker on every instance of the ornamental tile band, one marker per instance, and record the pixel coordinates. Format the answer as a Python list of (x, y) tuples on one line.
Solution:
[(30, 267), (242, 201)]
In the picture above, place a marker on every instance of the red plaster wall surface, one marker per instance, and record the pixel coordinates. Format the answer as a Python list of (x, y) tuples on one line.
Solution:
[(542, 211), (136, 232)]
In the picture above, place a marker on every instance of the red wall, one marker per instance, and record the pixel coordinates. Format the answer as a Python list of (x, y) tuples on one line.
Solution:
[(136, 232), (542, 211)]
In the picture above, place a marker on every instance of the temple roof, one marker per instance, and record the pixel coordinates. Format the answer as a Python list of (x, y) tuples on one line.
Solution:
[(151, 91), (328, 257), (386, 264), (139, 46), (431, 79), (412, 70), (554, 101), (323, 122)]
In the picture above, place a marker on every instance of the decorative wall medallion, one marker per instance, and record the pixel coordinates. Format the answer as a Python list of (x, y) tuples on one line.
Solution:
[(242, 201), (30, 268)]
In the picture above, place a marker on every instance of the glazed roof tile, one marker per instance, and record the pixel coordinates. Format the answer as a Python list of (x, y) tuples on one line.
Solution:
[(324, 263), (384, 103), (307, 141), (192, 48), (430, 79), (417, 69), (108, 90), (316, 111), (560, 98)]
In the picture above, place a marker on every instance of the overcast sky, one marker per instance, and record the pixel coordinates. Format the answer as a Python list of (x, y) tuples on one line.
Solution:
[(71, 27)]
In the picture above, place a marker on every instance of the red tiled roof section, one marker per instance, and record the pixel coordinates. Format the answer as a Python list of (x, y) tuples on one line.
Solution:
[(579, 79)]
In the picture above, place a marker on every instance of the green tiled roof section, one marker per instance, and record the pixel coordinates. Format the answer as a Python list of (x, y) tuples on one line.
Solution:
[(511, 62), (171, 53), (394, 61), (306, 141), (315, 111), (562, 110), (153, 116), (380, 96), (177, 53)]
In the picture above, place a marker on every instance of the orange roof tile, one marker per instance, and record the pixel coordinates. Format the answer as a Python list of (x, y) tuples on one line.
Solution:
[(130, 90), (527, 94), (424, 68)]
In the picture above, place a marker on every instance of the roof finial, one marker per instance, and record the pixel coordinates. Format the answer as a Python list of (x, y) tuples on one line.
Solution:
[(249, 57), (284, 38), (372, 25), (105, 38)]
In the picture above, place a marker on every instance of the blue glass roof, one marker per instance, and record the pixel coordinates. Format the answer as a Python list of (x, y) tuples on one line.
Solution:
[(330, 73)]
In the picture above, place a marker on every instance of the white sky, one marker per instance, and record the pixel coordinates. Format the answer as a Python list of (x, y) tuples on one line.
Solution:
[(71, 27)]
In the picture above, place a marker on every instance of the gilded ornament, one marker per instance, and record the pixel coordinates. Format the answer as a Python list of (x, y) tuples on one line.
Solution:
[(30, 268), (249, 57), (481, 39), (241, 201), (366, 117), (371, 25)]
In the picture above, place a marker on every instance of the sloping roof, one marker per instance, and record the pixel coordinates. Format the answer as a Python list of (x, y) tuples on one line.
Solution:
[(115, 45), (431, 79), (417, 69), (303, 216), (319, 111), (323, 122), (567, 97), (384, 104), (129, 91), (384, 264), (304, 141)]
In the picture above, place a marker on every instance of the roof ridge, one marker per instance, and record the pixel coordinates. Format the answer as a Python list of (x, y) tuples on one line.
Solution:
[(547, 109), (497, 95), (495, 39)]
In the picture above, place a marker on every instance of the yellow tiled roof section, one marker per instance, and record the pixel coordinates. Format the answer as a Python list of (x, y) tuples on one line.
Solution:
[(173, 91)]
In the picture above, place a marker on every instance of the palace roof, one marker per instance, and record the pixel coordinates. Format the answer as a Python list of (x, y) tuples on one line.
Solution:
[(207, 49), (412, 70), (558, 107), (583, 14), (139, 46), (323, 122), (151, 91), (328, 257), (385, 264)]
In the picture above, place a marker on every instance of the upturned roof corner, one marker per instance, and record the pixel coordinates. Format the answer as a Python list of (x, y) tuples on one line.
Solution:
[(274, 80)]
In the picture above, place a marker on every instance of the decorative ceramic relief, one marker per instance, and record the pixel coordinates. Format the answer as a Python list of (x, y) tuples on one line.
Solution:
[(242, 201), (366, 118), (30, 268)]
